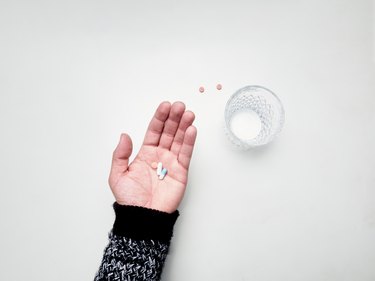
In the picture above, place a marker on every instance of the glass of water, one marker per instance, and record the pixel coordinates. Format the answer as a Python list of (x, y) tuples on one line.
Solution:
[(254, 116)]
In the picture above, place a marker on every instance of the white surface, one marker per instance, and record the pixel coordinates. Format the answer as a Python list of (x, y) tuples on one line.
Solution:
[(75, 74)]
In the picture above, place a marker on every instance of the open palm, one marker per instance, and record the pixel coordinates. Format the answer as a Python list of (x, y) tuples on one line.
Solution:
[(169, 139)]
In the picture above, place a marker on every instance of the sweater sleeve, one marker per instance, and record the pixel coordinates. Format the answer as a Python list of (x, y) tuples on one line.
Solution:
[(138, 244)]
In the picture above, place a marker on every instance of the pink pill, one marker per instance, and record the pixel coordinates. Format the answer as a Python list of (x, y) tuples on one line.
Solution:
[(201, 89), (154, 165), (219, 87)]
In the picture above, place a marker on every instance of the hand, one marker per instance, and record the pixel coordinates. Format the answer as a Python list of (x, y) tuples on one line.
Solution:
[(169, 139)]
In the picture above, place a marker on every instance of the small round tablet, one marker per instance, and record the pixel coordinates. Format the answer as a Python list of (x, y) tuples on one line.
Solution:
[(201, 89), (219, 87), (154, 165)]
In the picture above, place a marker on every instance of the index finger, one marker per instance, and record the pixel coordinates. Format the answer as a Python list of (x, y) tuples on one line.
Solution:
[(155, 128)]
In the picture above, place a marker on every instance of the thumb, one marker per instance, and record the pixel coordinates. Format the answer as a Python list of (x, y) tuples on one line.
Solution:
[(120, 158)]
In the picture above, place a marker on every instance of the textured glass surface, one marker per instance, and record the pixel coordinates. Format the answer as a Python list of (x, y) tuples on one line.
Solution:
[(263, 102)]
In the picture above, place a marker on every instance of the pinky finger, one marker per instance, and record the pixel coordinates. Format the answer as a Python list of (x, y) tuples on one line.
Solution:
[(186, 151)]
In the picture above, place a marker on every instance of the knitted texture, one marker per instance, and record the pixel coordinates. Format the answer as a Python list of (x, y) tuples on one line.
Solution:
[(132, 260), (138, 244)]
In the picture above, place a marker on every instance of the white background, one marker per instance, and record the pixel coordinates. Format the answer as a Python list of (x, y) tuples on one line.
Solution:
[(75, 74)]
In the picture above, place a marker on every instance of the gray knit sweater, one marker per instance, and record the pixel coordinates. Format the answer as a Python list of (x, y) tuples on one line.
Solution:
[(138, 244)]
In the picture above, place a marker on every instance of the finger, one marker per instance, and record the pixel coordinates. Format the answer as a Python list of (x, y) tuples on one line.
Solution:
[(171, 125), (156, 126), (120, 158), (186, 120), (187, 146)]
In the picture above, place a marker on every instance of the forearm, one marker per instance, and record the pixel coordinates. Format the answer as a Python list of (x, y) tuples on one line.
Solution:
[(138, 244)]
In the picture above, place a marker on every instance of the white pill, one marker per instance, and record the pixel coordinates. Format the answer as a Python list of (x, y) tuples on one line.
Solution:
[(159, 168)]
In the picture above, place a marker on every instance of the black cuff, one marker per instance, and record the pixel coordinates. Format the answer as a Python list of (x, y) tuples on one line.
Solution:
[(143, 224)]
